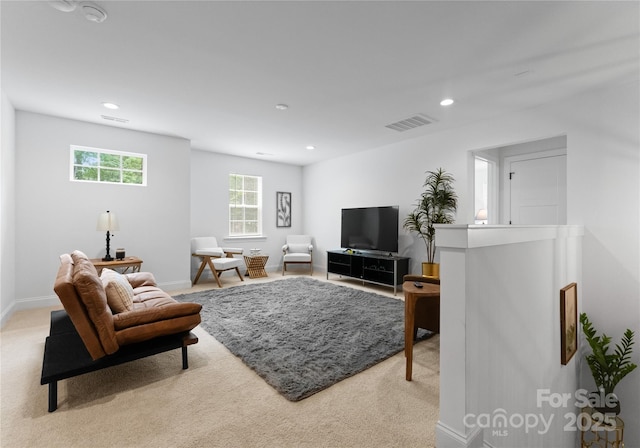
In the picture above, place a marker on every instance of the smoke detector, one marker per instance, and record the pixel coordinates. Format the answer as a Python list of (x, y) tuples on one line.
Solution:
[(93, 12)]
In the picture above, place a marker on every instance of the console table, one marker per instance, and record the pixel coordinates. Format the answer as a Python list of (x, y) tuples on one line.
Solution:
[(121, 266), (383, 270)]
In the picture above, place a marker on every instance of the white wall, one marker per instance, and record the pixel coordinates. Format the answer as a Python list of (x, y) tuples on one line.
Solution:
[(500, 335), (7, 208), (210, 202), (55, 215), (603, 194), (391, 175)]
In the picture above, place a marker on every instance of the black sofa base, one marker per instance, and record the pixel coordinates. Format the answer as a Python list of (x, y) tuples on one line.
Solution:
[(66, 356)]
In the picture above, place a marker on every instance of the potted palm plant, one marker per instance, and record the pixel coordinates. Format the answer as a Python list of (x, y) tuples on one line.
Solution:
[(607, 368), (437, 205)]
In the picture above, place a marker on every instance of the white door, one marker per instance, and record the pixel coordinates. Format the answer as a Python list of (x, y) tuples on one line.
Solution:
[(537, 190)]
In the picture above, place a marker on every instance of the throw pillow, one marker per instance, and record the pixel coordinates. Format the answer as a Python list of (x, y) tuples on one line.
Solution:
[(119, 291)]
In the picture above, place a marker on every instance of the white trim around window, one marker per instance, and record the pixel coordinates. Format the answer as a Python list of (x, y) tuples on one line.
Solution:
[(108, 166)]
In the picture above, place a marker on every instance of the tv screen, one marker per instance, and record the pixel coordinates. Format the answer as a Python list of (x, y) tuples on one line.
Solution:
[(370, 228)]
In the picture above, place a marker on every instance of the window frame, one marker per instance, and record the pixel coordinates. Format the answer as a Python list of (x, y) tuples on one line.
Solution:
[(259, 207), (113, 152)]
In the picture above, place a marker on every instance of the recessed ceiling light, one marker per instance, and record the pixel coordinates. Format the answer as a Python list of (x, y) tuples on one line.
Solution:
[(111, 106), (282, 106), (446, 102), (311, 147)]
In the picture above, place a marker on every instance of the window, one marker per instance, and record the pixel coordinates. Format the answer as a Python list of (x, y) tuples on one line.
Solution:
[(481, 200), (245, 205), (485, 208), (113, 167)]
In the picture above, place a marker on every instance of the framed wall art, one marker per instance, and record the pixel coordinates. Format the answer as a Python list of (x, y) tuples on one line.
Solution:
[(568, 322), (283, 207)]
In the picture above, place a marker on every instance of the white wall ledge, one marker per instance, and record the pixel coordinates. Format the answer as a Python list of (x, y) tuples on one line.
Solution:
[(465, 236)]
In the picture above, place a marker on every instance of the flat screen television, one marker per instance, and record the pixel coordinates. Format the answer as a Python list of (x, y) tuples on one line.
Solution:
[(370, 228)]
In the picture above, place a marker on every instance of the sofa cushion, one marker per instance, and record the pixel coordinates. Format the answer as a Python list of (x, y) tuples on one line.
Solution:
[(75, 308), (298, 248), (137, 279), (119, 291), (159, 310), (89, 287)]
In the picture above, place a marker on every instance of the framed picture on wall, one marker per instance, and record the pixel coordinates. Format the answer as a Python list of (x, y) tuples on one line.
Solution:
[(568, 322), (283, 207)]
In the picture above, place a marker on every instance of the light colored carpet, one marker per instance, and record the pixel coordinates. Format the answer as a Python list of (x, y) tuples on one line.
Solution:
[(217, 402)]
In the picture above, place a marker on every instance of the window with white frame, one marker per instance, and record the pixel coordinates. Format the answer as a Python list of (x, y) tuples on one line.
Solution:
[(485, 190), (108, 166), (481, 191), (245, 205)]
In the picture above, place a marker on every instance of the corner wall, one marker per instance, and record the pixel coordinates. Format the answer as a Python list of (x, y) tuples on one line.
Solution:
[(210, 202), (56, 215), (7, 208), (500, 335)]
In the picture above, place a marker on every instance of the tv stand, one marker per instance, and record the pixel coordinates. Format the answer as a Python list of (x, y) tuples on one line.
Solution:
[(386, 270)]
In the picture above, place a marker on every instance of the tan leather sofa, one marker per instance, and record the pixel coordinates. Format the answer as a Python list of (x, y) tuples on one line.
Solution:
[(151, 312)]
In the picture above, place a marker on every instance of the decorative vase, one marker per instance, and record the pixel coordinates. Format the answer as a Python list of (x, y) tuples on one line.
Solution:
[(431, 270)]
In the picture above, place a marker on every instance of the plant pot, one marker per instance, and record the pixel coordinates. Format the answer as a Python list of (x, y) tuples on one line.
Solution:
[(603, 404), (431, 270)]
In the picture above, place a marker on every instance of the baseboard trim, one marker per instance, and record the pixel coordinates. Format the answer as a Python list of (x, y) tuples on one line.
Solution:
[(53, 300), (174, 286), (36, 302), (447, 437), (27, 304), (6, 314)]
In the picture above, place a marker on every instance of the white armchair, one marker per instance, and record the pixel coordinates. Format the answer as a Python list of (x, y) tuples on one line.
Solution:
[(297, 250), (218, 259)]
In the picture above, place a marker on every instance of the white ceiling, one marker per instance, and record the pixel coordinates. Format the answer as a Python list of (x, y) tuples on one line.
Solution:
[(213, 71)]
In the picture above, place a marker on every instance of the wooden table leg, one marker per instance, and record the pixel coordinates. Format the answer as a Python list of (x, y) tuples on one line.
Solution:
[(409, 319), (202, 266)]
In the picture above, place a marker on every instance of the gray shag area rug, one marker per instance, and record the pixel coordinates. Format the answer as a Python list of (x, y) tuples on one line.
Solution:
[(303, 335)]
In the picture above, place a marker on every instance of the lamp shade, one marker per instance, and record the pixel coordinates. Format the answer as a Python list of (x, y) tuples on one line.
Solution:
[(107, 222), (481, 215)]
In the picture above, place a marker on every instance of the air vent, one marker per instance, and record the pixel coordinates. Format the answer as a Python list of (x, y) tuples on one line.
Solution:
[(410, 123), (119, 120)]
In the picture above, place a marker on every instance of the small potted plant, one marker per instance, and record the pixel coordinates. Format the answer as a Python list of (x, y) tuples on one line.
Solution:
[(607, 368), (437, 205)]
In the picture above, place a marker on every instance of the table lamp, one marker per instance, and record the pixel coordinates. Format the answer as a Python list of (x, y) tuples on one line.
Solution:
[(481, 215), (108, 221)]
